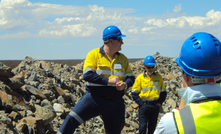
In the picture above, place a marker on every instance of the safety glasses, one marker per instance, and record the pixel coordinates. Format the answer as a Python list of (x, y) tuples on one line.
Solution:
[(148, 67), (118, 39)]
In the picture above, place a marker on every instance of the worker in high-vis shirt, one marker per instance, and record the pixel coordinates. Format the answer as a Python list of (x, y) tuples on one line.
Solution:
[(149, 93), (108, 75), (200, 109)]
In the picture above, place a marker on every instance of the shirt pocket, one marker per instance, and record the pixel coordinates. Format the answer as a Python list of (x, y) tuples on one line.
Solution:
[(145, 84)]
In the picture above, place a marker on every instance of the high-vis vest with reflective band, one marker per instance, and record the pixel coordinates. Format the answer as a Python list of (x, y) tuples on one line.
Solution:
[(199, 118), (101, 64), (149, 88)]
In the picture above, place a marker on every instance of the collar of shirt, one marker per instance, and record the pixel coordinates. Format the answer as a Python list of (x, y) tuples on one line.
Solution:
[(144, 73), (190, 94), (103, 52)]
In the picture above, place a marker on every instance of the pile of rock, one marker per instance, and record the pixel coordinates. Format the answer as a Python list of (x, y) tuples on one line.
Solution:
[(36, 96)]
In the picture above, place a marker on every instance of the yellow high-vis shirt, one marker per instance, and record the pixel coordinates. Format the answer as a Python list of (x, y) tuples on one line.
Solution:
[(102, 65), (149, 89)]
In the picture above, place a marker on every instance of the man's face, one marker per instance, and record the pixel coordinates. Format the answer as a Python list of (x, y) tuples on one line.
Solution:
[(149, 69), (117, 42)]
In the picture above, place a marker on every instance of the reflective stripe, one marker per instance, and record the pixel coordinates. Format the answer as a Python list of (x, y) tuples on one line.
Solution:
[(93, 84), (143, 99), (108, 72), (150, 88), (88, 69), (58, 132), (163, 90), (103, 72), (134, 91), (77, 117), (187, 120)]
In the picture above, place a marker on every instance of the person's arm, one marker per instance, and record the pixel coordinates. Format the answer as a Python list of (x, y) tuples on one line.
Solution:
[(126, 84), (163, 93), (136, 98), (93, 77), (89, 70), (136, 91), (130, 78), (160, 128), (162, 97), (129, 81), (166, 125)]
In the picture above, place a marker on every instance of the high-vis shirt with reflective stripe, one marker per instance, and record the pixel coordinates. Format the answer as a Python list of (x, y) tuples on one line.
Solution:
[(199, 118), (101, 64), (149, 89), (98, 68)]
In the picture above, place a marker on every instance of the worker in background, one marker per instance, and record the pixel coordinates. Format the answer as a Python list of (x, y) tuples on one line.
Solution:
[(108, 74), (149, 93), (200, 61)]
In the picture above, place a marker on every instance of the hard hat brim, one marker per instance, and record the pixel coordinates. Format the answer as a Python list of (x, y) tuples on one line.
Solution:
[(122, 35)]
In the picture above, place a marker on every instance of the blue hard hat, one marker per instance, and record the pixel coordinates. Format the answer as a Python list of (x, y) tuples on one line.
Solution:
[(149, 60), (112, 31), (200, 56)]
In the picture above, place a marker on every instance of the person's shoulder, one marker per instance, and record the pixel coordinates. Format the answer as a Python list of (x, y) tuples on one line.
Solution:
[(94, 51), (158, 75), (140, 75), (167, 116), (168, 124)]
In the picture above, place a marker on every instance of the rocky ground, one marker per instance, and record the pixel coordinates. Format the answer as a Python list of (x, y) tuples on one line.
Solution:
[(36, 96)]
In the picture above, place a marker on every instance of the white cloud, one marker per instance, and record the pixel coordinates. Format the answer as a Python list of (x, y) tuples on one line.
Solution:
[(3, 21), (79, 30), (13, 3), (147, 29), (134, 30), (69, 21), (177, 8), (213, 17), (64, 21), (18, 35), (197, 22)]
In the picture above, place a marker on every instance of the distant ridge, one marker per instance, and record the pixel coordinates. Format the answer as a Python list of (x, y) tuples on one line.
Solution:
[(69, 62)]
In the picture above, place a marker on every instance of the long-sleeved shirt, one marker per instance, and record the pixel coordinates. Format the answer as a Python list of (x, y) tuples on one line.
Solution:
[(167, 123), (98, 68), (149, 89)]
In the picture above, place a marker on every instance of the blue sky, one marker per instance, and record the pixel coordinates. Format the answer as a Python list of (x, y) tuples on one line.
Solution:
[(56, 29)]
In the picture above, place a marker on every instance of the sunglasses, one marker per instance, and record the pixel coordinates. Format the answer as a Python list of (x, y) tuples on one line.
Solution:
[(149, 67), (118, 39)]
